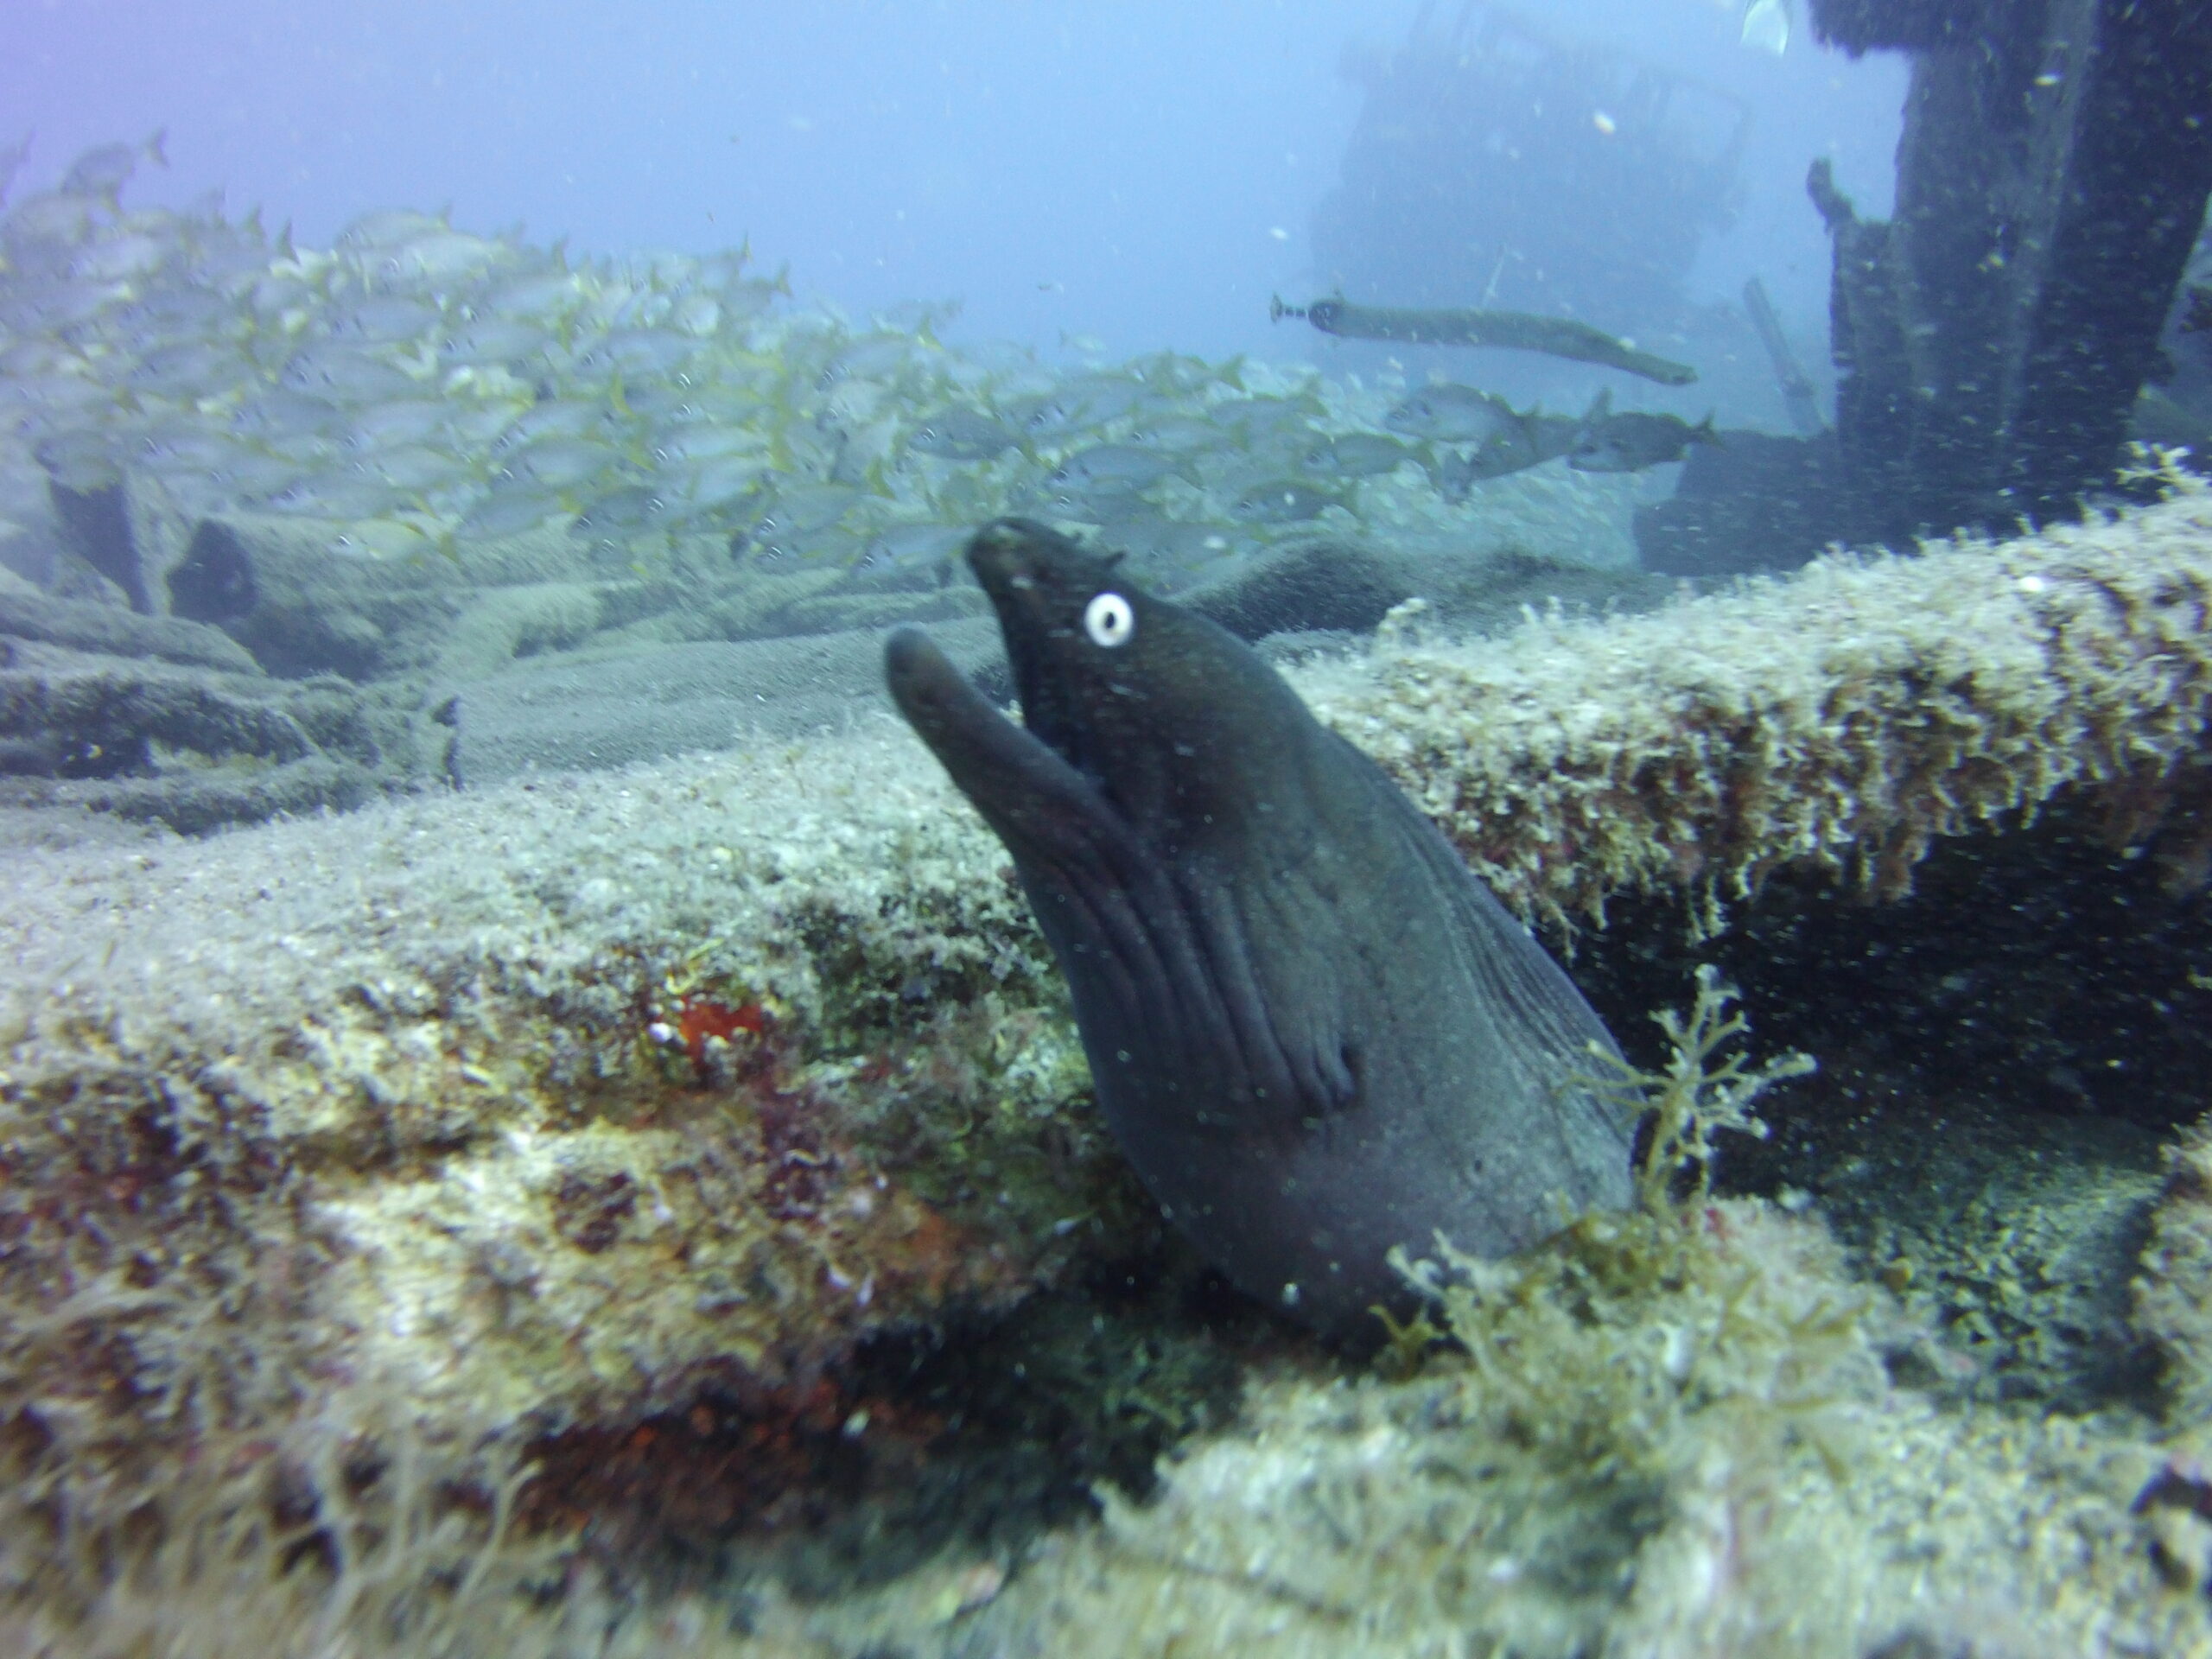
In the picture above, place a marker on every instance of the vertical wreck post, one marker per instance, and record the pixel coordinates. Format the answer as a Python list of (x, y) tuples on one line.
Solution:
[(2052, 179)]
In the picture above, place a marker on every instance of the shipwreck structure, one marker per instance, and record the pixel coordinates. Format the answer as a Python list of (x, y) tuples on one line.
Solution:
[(2050, 182), (1475, 130), (1992, 338)]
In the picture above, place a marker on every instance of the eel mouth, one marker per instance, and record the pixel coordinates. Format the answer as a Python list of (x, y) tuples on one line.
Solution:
[(1003, 555), (939, 701), (1042, 806), (1037, 581)]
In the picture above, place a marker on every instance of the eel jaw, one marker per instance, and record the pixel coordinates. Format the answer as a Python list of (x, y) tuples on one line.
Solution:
[(1047, 812)]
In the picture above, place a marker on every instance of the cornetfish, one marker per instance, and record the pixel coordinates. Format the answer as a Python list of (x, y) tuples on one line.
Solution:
[(1522, 330), (1315, 1034)]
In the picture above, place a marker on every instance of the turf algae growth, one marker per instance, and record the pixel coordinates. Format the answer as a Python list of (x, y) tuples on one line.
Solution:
[(1315, 1034)]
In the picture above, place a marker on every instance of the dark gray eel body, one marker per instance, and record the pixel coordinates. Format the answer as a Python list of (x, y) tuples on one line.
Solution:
[(1522, 330), (1315, 1033)]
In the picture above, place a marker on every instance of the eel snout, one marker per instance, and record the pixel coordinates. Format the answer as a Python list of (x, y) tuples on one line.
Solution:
[(1040, 805), (923, 681)]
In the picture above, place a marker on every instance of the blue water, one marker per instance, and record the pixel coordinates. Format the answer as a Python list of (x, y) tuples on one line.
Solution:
[(1142, 173)]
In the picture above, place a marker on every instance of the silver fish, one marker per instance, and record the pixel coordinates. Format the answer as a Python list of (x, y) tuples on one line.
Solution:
[(1282, 501), (536, 296), (697, 314), (280, 412), (53, 218), (507, 512), (743, 301), (440, 257), (1453, 414), (1170, 540), (571, 418), (51, 397), (248, 476), (1178, 435), (332, 496), (878, 359), (405, 420), (721, 483), (195, 368), (347, 375), (104, 170), (1630, 443), (1258, 419), (636, 352), (414, 468), (1091, 401), (562, 463), (176, 313), (387, 319), (183, 446), (1112, 467), (923, 550), (692, 445), (1358, 454), (477, 425), (388, 228), (122, 258), (961, 435), (805, 510), (624, 513)]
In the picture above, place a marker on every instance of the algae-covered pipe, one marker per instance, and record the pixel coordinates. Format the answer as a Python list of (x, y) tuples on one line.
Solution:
[(1522, 331)]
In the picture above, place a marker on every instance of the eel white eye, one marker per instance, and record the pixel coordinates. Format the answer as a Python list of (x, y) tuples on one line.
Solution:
[(1109, 620)]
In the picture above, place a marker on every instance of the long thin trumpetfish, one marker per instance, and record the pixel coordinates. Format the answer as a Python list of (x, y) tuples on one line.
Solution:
[(1522, 331)]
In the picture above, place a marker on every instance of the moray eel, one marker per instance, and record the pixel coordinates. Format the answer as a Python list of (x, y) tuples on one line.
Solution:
[(1521, 330), (1312, 1032)]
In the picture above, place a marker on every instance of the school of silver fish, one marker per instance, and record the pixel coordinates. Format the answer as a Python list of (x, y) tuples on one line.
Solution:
[(426, 387)]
